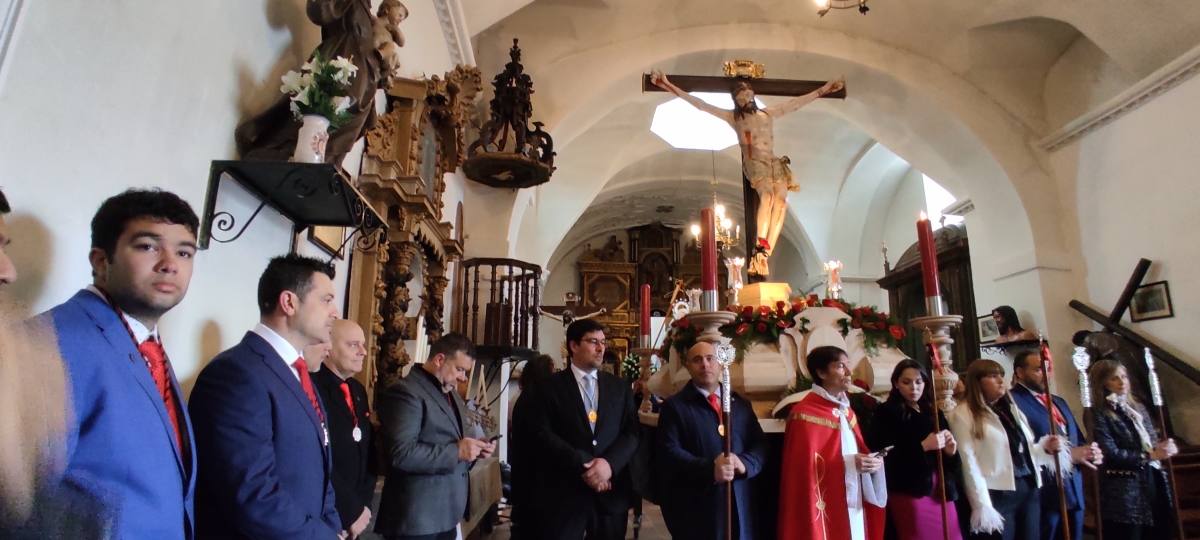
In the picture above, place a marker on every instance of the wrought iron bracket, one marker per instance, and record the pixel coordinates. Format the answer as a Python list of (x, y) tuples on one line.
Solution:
[(307, 194)]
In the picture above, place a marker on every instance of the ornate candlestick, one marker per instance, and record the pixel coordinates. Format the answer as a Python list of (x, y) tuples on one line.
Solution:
[(936, 332)]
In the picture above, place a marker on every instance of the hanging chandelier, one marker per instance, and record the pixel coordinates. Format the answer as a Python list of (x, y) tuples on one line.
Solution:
[(728, 234), (823, 6)]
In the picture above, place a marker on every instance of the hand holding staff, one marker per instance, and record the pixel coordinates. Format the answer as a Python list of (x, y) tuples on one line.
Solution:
[(1157, 399), (1048, 370)]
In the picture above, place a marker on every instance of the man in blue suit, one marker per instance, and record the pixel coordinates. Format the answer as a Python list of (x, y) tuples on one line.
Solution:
[(261, 432), (1028, 392), (693, 469), (129, 440)]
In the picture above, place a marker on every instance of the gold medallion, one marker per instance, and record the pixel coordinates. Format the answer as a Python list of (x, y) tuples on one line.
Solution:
[(721, 429), (592, 416)]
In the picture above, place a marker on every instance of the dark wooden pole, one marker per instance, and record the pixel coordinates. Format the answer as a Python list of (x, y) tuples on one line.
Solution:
[(1139, 273), (937, 428), (1058, 476), (728, 427)]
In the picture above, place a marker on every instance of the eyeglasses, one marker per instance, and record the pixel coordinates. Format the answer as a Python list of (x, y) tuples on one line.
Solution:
[(593, 342)]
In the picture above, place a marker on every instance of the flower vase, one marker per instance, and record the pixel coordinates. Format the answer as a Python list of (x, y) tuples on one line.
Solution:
[(311, 141)]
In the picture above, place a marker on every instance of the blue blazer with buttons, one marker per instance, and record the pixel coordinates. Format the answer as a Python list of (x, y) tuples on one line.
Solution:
[(1039, 421), (121, 446), (693, 505), (265, 469)]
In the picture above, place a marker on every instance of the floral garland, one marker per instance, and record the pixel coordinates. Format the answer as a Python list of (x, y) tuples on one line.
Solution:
[(764, 325), (878, 327), (631, 367)]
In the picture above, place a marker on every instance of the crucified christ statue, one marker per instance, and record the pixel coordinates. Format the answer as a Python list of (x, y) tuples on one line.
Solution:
[(767, 173)]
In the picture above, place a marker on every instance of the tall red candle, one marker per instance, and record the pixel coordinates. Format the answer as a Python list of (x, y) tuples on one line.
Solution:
[(928, 250), (645, 320), (708, 251)]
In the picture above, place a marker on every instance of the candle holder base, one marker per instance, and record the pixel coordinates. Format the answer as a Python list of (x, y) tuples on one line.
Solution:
[(644, 355), (936, 330)]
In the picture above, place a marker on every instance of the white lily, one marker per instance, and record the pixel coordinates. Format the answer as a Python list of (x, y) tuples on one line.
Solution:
[(341, 104), (295, 108), (302, 96), (293, 83), (345, 69)]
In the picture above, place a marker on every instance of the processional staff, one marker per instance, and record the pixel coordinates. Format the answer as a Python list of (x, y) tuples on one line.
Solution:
[(1157, 399), (936, 359), (1048, 370), (1082, 360), (725, 356)]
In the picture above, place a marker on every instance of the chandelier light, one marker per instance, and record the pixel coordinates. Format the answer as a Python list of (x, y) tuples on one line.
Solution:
[(728, 234), (823, 6)]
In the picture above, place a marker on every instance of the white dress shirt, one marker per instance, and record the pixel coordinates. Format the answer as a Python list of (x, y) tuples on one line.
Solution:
[(284, 349), (140, 332)]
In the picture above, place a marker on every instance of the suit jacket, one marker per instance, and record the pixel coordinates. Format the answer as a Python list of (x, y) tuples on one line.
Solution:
[(1039, 422), (121, 446), (426, 487), (565, 442), (264, 466), (693, 505), (353, 483), (910, 469)]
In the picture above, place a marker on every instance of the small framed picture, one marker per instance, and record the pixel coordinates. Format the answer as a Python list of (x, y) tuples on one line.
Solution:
[(1151, 301), (988, 331), (328, 238)]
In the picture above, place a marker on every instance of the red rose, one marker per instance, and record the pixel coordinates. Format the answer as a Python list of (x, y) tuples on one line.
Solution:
[(780, 304), (797, 307), (856, 323), (683, 323), (881, 325), (748, 311), (896, 332), (813, 300), (857, 312), (782, 323), (761, 327), (742, 329), (764, 311)]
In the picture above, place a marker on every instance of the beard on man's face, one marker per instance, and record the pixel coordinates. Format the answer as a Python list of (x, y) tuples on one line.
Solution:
[(749, 108)]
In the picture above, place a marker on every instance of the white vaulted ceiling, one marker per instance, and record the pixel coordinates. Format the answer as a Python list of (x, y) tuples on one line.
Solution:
[(958, 89)]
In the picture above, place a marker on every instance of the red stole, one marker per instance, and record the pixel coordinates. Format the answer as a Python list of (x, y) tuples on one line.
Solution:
[(812, 498)]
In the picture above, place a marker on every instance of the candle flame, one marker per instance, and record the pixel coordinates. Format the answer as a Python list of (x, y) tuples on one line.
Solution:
[(923, 217)]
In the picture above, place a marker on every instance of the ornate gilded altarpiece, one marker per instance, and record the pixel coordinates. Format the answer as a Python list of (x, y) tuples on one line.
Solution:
[(407, 154)]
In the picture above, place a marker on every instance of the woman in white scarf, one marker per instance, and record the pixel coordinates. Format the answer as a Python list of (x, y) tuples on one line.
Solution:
[(1135, 498)]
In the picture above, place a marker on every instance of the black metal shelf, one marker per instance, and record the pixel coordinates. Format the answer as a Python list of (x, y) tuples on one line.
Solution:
[(307, 194)]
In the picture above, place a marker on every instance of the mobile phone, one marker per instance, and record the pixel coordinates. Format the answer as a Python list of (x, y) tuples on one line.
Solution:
[(495, 437), (883, 453)]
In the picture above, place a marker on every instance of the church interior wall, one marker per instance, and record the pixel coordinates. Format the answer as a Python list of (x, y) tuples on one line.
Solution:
[(562, 278), (157, 120), (1135, 194)]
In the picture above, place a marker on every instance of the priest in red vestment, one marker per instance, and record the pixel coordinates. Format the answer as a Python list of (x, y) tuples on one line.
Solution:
[(832, 487)]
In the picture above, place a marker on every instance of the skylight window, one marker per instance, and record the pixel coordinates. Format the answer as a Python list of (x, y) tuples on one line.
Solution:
[(938, 198), (683, 126)]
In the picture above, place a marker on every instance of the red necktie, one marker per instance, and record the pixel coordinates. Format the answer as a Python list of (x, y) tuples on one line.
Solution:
[(349, 401), (156, 359), (715, 401), (1058, 417), (306, 384)]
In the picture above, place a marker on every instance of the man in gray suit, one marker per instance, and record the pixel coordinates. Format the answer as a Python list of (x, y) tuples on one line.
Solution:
[(421, 422)]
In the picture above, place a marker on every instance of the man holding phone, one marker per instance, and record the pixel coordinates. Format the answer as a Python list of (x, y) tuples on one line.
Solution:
[(421, 423)]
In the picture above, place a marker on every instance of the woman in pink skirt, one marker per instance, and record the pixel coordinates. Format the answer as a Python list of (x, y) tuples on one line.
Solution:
[(904, 423)]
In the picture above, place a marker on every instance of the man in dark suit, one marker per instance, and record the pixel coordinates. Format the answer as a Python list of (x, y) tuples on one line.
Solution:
[(1028, 392), (421, 420), (586, 430), (692, 466), (350, 433), (129, 440), (261, 431)]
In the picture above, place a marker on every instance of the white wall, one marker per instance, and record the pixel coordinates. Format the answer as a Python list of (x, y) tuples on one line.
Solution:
[(100, 97), (1133, 186)]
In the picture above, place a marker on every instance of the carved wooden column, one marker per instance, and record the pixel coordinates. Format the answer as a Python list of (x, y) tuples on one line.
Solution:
[(393, 311), (435, 289)]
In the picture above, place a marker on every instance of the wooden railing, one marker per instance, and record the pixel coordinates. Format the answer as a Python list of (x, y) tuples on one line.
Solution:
[(498, 302)]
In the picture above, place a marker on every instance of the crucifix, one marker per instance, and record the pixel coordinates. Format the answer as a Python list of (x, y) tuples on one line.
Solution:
[(766, 178)]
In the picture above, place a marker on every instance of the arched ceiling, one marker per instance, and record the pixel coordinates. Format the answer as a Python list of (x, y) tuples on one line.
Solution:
[(915, 68)]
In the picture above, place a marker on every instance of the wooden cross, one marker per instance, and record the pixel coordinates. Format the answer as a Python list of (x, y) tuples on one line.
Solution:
[(1112, 323), (762, 87)]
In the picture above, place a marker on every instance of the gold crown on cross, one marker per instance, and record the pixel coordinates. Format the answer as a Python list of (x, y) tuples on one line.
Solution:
[(744, 68)]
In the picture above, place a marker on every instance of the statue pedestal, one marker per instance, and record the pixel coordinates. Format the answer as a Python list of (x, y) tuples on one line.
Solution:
[(764, 294)]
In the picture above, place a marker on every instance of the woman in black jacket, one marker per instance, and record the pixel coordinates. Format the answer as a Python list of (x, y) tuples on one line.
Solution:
[(1135, 500), (905, 423)]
